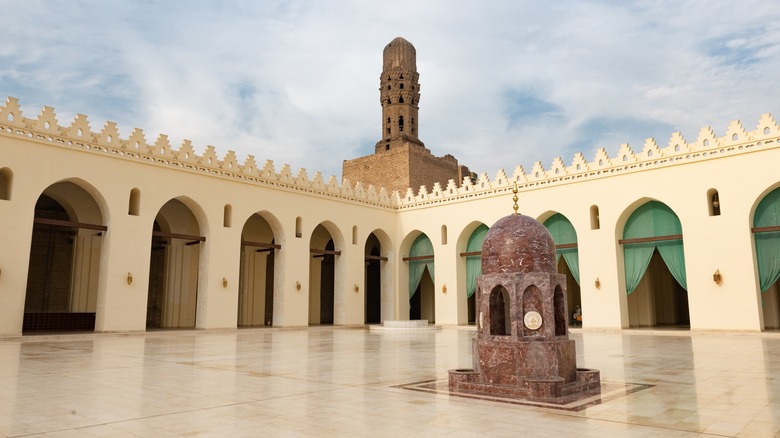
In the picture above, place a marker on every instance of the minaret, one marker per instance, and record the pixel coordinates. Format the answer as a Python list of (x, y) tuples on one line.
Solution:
[(399, 95), (400, 160)]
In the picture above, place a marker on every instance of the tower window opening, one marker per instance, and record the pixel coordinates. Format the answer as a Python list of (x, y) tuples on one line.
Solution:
[(401, 123), (389, 87), (401, 77), (388, 130), (401, 86), (401, 99), (388, 101), (387, 146), (388, 120)]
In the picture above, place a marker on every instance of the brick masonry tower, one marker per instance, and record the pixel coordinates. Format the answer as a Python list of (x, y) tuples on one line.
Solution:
[(400, 159), (399, 94)]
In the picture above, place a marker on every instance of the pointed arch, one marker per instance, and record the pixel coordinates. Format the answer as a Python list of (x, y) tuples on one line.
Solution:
[(326, 272), (766, 235), (177, 256), (258, 271), (499, 314), (654, 267), (378, 277), (469, 267), (420, 276), (652, 226), (565, 237), (420, 259), (65, 269)]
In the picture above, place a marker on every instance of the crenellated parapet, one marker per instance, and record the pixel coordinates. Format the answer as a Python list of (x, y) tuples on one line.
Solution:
[(79, 136), (677, 151)]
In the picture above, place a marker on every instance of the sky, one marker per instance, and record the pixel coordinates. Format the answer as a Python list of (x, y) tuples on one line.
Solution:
[(503, 83)]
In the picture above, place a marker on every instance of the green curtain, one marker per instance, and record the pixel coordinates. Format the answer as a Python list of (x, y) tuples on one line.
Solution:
[(474, 263), (674, 257), (573, 260), (653, 219), (563, 233), (422, 246), (768, 243), (636, 257)]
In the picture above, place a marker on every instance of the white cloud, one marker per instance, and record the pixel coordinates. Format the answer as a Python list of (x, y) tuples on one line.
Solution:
[(297, 82)]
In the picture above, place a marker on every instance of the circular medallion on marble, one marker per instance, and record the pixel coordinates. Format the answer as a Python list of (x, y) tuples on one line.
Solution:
[(532, 320)]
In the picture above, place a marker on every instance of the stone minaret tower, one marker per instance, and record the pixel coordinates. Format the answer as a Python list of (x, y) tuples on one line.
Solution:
[(399, 95), (400, 160)]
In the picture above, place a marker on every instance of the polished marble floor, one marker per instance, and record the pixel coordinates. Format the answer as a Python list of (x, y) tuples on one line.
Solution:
[(335, 382)]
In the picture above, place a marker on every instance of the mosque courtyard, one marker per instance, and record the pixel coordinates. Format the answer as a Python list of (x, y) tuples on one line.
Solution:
[(335, 382)]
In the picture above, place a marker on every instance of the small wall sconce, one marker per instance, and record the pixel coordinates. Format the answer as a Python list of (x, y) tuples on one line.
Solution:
[(598, 283), (224, 282), (717, 278), (444, 289), (357, 288), (297, 285), (129, 278)]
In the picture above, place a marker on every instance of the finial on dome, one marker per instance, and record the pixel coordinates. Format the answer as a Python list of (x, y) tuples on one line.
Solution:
[(514, 198)]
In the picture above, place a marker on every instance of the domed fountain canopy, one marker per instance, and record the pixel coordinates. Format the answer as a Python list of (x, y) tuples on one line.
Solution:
[(518, 244)]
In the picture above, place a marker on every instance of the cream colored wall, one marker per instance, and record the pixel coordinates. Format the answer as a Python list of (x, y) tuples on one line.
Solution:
[(126, 245), (711, 242), (741, 171)]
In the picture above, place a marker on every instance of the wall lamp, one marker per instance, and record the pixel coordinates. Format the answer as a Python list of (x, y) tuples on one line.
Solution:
[(717, 277), (224, 282), (444, 289), (297, 285), (598, 283), (357, 288), (129, 278)]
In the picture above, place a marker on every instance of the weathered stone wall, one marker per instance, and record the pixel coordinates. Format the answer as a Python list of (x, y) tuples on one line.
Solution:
[(425, 169), (401, 168)]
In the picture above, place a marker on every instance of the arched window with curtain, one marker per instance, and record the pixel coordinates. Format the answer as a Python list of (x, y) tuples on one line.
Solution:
[(474, 259), (420, 258), (565, 238), (653, 226), (766, 232)]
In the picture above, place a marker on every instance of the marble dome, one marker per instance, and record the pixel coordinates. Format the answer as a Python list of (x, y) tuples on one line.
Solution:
[(518, 244)]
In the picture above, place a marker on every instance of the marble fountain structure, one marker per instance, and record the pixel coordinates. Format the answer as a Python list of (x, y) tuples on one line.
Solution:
[(522, 348)]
